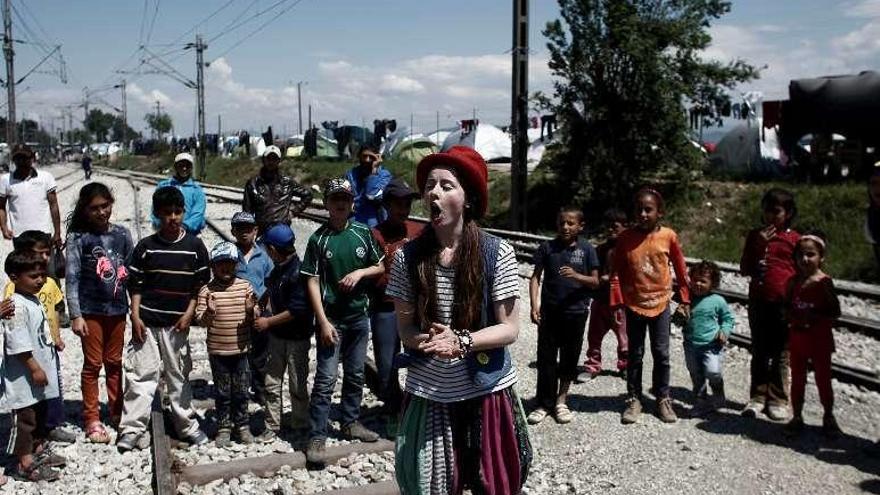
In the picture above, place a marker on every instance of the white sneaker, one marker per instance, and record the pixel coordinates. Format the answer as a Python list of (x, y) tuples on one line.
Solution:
[(777, 412), (197, 438), (537, 416)]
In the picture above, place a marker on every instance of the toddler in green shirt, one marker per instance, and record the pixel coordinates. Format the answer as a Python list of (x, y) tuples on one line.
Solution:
[(705, 334)]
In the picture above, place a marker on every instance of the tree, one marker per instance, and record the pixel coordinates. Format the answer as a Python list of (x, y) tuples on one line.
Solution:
[(625, 69), (160, 123), (121, 132), (99, 124)]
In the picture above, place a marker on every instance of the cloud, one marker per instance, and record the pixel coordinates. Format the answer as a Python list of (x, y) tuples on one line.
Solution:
[(862, 44), (149, 98), (863, 8), (393, 83)]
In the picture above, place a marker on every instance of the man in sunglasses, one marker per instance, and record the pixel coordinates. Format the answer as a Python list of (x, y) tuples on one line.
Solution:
[(369, 180)]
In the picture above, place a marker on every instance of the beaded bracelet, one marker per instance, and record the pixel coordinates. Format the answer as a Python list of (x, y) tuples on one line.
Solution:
[(465, 341)]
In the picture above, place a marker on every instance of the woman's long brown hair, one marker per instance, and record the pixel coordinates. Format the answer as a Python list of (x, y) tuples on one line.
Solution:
[(468, 264)]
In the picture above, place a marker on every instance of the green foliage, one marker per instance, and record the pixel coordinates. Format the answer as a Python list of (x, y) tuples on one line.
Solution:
[(624, 69), (712, 219), (160, 123), (99, 123)]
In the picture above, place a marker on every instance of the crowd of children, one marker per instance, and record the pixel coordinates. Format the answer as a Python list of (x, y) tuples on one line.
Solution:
[(261, 305), (628, 289)]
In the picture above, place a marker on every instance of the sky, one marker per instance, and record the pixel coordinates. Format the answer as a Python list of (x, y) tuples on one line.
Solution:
[(359, 60)]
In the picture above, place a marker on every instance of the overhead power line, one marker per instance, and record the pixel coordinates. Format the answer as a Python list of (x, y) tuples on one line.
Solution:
[(260, 28), (233, 25), (152, 23)]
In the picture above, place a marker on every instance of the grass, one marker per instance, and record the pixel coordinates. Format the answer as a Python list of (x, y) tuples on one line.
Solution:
[(712, 217)]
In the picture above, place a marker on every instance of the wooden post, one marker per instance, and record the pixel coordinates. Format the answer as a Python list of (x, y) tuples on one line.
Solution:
[(164, 481)]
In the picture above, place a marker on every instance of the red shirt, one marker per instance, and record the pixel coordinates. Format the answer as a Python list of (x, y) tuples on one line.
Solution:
[(770, 264), (391, 238), (814, 306)]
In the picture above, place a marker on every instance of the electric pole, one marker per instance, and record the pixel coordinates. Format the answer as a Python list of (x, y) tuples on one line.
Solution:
[(124, 113), (200, 90), (156, 129), (519, 115), (299, 104), (10, 74), (85, 105)]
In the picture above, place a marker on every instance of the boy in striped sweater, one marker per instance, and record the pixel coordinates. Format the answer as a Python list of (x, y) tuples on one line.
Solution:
[(166, 271), (226, 308)]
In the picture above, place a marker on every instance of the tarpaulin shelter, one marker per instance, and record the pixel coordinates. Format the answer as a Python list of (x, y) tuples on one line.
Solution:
[(489, 141), (847, 105), (742, 152)]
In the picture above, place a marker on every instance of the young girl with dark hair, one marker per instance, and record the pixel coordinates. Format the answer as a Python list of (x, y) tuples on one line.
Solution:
[(97, 300), (768, 260), (456, 291), (812, 306), (641, 283)]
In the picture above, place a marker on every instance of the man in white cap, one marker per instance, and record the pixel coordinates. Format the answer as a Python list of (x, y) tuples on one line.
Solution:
[(193, 195), (273, 197)]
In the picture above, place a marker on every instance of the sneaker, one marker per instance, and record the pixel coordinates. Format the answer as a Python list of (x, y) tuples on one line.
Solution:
[(830, 428), (752, 409), (126, 442), (563, 414), (144, 441), (223, 438), (35, 473), (701, 408), (777, 412), (537, 416), (243, 435), (632, 412), (665, 411), (794, 427), (198, 437), (49, 459), (316, 450), (356, 431), (268, 436), (61, 435)]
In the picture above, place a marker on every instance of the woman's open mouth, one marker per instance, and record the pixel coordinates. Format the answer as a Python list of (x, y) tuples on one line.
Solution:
[(435, 212)]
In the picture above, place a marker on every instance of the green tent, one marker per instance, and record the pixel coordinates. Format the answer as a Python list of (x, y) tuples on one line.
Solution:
[(414, 149)]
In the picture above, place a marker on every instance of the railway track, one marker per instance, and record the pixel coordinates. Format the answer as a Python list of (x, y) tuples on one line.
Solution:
[(526, 244), (167, 475)]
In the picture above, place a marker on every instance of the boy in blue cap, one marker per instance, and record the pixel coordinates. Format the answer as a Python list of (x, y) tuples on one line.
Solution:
[(289, 330), (254, 265)]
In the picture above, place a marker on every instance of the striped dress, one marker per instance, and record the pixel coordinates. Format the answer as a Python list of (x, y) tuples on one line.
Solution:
[(229, 333), (455, 434)]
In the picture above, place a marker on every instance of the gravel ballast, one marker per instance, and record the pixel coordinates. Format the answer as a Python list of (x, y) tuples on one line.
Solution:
[(595, 453)]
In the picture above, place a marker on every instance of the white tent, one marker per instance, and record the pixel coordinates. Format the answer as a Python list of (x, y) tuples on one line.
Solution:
[(489, 141)]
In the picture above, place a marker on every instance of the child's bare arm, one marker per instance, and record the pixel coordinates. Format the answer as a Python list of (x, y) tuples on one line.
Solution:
[(37, 374), (535, 294), (351, 280)]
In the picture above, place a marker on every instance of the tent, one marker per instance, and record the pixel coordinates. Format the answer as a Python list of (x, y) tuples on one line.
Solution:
[(743, 152), (413, 149), (489, 141)]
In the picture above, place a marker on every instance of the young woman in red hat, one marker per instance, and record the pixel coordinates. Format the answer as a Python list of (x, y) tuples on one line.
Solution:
[(456, 291)]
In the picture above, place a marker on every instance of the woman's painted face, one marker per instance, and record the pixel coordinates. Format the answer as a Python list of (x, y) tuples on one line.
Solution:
[(444, 197)]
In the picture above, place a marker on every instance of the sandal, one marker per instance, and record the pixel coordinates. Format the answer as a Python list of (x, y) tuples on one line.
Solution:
[(96, 433), (563, 414), (36, 473)]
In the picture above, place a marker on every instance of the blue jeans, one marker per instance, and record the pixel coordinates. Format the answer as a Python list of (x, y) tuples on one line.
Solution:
[(704, 363), (351, 349), (386, 345)]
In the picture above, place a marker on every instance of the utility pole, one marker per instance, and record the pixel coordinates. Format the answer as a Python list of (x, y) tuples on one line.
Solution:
[(85, 105), (156, 130), (310, 115), (200, 90), (519, 115), (299, 103), (10, 74), (124, 113), (219, 126)]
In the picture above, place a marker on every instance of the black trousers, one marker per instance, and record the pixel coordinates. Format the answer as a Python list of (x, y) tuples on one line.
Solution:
[(637, 328), (560, 339), (257, 358), (231, 379), (769, 367)]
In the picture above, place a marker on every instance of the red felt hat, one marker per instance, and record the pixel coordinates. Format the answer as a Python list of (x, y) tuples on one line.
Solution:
[(469, 167)]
